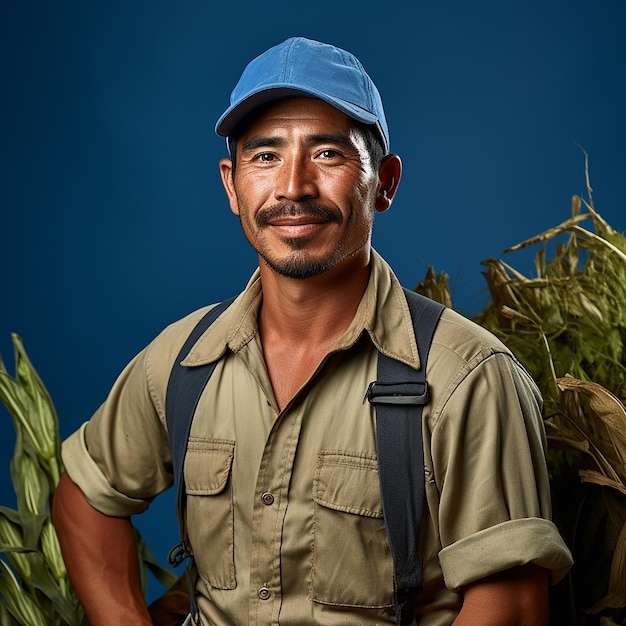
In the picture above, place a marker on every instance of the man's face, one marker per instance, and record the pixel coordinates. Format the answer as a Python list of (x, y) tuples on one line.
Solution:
[(304, 188)]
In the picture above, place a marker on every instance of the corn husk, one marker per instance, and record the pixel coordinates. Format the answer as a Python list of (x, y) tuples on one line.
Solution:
[(34, 583)]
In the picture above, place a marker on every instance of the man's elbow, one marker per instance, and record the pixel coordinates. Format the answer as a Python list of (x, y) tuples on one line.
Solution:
[(516, 597)]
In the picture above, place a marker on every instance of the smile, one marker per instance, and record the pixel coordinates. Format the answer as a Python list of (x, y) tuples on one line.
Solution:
[(297, 227), (299, 220)]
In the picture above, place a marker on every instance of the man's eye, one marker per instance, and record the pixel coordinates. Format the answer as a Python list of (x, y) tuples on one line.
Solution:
[(328, 154), (265, 157)]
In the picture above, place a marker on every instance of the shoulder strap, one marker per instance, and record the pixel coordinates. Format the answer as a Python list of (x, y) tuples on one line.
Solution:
[(399, 396), (184, 389)]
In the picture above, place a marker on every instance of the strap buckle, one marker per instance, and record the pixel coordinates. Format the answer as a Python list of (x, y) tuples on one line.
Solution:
[(178, 554)]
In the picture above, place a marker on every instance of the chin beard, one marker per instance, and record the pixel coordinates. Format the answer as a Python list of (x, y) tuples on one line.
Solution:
[(298, 266)]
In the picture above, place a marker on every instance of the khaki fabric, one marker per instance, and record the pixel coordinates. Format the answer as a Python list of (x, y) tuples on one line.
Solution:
[(284, 508)]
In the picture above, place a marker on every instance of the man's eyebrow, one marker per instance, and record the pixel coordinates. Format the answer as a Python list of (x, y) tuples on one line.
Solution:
[(262, 142), (255, 143), (342, 140)]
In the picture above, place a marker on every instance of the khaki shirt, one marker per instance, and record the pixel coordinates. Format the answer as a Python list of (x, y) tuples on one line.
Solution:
[(283, 507)]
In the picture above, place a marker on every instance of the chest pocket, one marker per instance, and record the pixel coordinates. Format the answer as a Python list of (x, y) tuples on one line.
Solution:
[(352, 564), (208, 486)]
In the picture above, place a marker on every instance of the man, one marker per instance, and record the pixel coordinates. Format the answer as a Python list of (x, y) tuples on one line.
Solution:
[(283, 501)]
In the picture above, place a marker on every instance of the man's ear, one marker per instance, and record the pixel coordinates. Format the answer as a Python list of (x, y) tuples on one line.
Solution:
[(226, 172), (389, 176)]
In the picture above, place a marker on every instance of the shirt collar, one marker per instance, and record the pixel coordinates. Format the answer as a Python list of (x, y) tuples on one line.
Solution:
[(383, 313)]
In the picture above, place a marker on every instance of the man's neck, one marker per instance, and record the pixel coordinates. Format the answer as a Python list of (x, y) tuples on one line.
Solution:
[(301, 320), (312, 309)]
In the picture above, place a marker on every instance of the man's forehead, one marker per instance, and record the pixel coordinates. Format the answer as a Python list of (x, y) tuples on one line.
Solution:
[(302, 108)]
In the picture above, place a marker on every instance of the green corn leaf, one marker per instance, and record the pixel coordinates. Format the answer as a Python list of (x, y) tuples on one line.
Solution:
[(20, 604), (31, 528), (52, 551), (20, 407), (165, 576), (32, 411), (6, 619), (12, 538), (44, 581), (16, 401), (33, 487), (43, 414)]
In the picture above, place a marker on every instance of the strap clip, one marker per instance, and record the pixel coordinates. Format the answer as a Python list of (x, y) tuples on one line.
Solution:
[(397, 393)]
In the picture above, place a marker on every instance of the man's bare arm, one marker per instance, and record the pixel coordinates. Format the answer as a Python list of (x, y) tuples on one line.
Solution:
[(516, 597), (101, 557)]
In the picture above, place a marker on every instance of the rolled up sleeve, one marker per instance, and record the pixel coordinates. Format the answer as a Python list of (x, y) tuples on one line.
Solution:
[(489, 461), (495, 549), (120, 458), (86, 473)]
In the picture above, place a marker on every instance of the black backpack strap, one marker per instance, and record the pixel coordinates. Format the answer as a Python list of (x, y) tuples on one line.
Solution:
[(184, 389), (399, 396)]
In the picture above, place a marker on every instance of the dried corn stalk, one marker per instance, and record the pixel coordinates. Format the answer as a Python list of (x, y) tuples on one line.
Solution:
[(567, 325)]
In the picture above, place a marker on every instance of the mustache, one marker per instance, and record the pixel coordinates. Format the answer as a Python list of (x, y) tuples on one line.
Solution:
[(297, 209)]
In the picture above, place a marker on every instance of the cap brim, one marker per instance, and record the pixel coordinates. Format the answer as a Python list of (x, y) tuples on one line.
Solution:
[(237, 112)]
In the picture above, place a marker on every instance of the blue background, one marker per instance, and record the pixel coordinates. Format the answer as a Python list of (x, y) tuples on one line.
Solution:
[(113, 220)]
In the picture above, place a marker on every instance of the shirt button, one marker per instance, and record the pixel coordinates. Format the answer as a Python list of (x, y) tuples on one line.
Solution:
[(267, 498), (264, 593)]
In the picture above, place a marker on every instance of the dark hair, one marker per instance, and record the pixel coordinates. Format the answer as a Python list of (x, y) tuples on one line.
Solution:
[(373, 142)]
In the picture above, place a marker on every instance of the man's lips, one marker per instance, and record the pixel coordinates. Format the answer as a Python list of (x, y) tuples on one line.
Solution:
[(298, 228), (301, 220)]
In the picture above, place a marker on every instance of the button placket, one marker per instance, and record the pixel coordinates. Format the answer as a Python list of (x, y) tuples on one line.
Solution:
[(268, 519)]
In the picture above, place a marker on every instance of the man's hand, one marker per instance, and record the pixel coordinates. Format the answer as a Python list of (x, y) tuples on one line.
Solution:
[(515, 597), (100, 553)]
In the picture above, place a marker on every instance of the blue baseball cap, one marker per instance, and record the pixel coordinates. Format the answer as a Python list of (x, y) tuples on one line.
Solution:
[(304, 67)]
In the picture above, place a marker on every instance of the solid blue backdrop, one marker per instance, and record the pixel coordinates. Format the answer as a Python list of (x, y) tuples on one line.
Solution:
[(114, 222)]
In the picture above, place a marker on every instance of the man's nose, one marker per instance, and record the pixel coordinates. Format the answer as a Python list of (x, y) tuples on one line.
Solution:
[(297, 180)]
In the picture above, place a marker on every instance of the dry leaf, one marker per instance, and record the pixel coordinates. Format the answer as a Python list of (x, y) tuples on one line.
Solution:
[(608, 408), (591, 476)]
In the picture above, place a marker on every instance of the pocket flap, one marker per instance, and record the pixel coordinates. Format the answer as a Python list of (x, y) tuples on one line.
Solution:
[(348, 482), (207, 465)]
